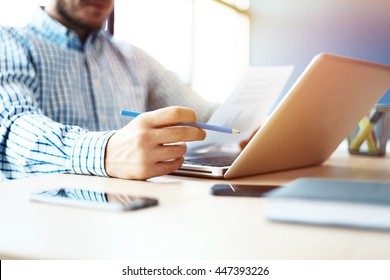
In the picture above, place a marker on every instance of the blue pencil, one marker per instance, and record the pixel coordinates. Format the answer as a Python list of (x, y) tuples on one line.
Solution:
[(200, 125)]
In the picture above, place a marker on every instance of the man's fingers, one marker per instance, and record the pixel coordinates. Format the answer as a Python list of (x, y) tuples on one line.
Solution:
[(158, 169), (167, 167), (168, 116), (168, 152), (174, 134)]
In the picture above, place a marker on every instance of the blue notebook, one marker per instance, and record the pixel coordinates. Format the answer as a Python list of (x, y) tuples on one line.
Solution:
[(331, 202)]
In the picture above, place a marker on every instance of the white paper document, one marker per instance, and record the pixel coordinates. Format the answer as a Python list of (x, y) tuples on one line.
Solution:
[(249, 105)]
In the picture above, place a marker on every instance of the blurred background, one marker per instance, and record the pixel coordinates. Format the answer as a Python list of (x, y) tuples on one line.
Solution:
[(210, 43), (294, 31)]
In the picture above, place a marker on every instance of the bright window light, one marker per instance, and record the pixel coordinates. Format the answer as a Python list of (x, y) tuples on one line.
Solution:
[(204, 42), (161, 28), (221, 49), (18, 12)]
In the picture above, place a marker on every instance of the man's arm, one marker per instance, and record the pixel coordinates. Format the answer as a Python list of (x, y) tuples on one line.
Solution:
[(30, 142)]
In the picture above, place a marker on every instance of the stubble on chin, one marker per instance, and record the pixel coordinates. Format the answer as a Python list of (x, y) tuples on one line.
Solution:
[(68, 13)]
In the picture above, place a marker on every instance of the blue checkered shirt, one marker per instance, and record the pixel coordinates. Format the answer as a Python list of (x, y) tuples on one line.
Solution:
[(60, 98)]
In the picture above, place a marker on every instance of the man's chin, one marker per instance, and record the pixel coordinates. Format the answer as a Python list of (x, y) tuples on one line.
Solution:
[(91, 24)]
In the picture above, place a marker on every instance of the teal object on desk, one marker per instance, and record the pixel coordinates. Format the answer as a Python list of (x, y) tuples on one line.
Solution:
[(331, 202), (196, 124)]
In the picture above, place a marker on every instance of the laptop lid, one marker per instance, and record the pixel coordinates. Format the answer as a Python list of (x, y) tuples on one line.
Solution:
[(316, 115), (319, 111)]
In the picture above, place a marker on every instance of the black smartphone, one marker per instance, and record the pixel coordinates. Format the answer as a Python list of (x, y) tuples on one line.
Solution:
[(93, 199), (241, 190)]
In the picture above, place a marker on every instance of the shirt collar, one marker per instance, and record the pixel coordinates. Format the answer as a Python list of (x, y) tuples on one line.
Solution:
[(51, 29)]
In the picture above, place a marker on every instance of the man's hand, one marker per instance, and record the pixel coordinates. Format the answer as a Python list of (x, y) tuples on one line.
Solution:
[(245, 142), (151, 144)]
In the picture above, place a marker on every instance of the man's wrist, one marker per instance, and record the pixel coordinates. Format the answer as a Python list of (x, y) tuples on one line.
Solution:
[(89, 152)]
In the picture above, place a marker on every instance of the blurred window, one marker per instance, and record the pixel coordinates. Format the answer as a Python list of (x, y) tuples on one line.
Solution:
[(206, 42)]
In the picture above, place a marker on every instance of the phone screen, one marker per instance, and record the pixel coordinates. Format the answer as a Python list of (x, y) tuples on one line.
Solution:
[(93, 199), (241, 190)]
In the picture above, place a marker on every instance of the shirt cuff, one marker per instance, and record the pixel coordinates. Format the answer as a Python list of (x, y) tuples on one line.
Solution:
[(89, 152)]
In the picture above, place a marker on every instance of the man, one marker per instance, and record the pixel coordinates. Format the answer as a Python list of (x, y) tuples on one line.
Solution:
[(63, 82)]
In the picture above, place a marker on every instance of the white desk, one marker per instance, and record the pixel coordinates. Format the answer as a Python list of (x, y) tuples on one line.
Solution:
[(189, 223)]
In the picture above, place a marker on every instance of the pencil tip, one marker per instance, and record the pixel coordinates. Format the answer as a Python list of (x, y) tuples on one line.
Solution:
[(235, 131)]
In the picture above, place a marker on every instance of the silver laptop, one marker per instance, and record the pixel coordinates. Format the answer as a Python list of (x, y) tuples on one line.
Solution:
[(317, 113)]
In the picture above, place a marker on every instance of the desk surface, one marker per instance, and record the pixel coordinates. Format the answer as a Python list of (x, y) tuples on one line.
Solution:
[(189, 223)]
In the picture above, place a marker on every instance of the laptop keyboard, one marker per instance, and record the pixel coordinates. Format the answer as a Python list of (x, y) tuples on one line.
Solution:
[(218, 161)]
